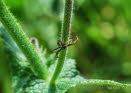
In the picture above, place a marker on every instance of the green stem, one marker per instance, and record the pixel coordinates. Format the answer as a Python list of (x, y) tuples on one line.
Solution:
[(15, 30), (65, 34)]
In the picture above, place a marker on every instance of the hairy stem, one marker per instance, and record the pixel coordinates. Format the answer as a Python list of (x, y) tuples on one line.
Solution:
[(22, 41), (65, 34)]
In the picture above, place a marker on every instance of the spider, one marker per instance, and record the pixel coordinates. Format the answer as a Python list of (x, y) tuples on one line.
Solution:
[(63, 46)]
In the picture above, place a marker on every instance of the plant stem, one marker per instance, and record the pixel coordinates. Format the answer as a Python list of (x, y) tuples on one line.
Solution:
[(15, 30), (65, 34)]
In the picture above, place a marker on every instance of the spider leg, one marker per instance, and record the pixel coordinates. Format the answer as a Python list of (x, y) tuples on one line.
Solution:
[(57, 53), (56, 49), (72, 42), (75, 40)]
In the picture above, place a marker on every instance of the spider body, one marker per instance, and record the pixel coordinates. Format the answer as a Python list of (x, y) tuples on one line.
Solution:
[(63, 46)]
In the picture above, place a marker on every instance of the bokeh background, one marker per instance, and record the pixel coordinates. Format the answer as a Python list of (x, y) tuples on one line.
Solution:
[(104, 31)]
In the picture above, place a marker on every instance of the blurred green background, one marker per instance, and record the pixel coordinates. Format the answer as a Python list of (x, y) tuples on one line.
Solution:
[(102, 26)]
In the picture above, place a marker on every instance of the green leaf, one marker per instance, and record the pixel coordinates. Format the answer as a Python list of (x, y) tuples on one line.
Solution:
[(69, 70), (68, 78), (62, 85)]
